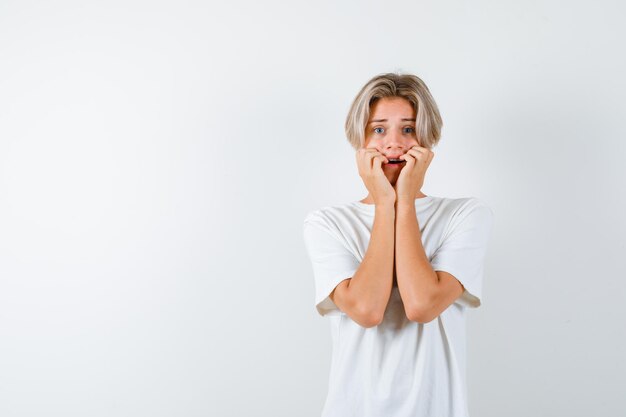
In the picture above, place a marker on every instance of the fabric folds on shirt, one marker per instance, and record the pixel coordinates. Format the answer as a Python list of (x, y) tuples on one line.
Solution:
[(400, 367)]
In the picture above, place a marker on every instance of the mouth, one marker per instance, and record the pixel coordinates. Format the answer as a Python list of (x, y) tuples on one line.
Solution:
[(395, 161)]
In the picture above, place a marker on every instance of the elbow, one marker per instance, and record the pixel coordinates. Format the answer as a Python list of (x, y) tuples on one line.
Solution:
[(421, 310), (420, 315), (368, 317), (369, 322)]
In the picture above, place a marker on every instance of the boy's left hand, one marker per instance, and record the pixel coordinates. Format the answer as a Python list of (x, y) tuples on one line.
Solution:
[(411, 178)]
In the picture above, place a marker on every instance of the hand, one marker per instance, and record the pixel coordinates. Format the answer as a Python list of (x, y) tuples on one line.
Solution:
[(411, 178), (369, 162)]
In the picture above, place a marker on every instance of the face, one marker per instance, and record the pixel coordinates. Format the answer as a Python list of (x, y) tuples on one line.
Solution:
[(391, 130)]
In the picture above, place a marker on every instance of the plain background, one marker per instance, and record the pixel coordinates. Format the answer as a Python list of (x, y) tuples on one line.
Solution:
[(157, 159)]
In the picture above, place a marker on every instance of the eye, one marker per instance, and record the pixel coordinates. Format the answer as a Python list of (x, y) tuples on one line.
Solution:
[(410, 131), (375, 129)]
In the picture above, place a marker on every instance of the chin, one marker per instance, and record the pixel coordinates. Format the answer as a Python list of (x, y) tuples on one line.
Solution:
[(392, 177)]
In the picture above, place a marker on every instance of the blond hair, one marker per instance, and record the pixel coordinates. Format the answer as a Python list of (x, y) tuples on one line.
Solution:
[(428, 121)]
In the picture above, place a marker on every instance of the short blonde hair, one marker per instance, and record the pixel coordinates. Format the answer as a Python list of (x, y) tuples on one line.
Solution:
[(428, 121)]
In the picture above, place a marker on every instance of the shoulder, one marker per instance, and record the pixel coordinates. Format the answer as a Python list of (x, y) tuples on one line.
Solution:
[(463, 206), (465, 211), (341, 221), (329, 215)]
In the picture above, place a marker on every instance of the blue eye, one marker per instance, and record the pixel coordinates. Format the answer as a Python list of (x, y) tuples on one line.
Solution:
[(412, 130), (377, 128)]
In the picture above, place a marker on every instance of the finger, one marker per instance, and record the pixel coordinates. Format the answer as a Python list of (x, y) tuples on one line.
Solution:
[(410, 162), (379, 159), (358, 156), (365, 155), (362, 161), (371, 153), (432, 155), (377, 166), (418, 150), (408, 157), (380, 155), (418, 154)]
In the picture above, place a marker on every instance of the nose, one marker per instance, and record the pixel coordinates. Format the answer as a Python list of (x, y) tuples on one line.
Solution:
[(393, 143)]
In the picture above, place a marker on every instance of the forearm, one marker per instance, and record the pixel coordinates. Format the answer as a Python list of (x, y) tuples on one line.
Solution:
[(370, 286), (417, 281)]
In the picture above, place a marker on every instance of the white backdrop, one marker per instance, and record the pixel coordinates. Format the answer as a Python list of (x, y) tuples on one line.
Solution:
[(157, 159)]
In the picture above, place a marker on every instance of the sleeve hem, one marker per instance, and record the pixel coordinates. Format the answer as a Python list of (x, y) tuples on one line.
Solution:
[(470, 297), (323, 303)]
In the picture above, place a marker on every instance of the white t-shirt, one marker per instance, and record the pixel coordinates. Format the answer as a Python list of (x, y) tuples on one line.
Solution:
[(399, 368)]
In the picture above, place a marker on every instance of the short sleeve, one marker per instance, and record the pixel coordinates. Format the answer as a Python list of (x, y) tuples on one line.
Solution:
[(462, 252), (331, 260)]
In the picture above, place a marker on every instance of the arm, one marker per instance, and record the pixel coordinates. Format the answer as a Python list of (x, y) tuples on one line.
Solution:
[(364, 297), (425, 293)]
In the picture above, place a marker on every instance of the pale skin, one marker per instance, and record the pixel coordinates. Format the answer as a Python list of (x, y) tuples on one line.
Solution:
[(395, 253)]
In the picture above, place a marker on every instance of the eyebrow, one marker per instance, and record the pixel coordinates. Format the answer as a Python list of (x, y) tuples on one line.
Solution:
[(406, 119)]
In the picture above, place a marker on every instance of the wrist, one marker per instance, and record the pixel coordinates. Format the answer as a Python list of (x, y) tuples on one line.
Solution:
[(405, 207), (386, 206), (405, 201)]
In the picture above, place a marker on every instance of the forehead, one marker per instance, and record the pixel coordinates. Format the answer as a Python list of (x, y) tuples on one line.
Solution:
[(391, 108)]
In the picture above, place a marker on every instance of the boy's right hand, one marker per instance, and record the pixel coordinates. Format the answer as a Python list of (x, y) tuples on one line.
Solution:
[(369, 162)]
